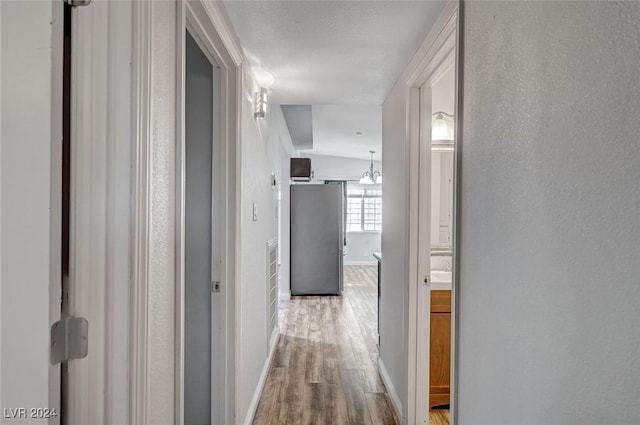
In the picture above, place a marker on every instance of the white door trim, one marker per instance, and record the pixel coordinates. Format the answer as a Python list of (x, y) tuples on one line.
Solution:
[(141, 105), (208, 25), (436, 55), (157, 264), (152, 367)]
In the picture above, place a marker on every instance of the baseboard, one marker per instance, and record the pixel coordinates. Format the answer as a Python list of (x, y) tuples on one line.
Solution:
[(360, 262), (283, 296), (253, 406), (391, 390)]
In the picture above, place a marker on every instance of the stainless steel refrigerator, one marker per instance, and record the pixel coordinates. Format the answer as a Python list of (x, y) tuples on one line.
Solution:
[(317, 238)]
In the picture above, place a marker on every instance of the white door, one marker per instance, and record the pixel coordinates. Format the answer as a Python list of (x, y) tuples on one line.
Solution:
[(31, 133)]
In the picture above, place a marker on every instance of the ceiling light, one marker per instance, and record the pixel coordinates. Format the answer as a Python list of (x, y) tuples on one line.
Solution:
[(370, 176), (442, 126), (260, 103)]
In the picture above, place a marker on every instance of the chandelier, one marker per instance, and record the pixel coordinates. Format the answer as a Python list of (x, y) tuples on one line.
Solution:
[(370, 176)]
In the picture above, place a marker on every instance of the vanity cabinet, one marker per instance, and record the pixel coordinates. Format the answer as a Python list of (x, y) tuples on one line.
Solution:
[(440, 348)]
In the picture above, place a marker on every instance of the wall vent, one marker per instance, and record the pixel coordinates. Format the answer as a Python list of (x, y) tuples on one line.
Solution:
[(272, 289)]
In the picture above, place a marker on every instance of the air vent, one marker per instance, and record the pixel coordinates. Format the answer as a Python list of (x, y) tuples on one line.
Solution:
[(272, 288)]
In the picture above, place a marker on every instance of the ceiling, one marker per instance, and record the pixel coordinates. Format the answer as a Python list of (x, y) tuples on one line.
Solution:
[(341, 57), (335, 128)]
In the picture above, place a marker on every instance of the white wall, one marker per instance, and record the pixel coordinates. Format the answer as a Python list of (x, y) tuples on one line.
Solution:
[(260, 152), (360, 248), (395, 222), (549, 334), (443, 93), (396, 160), (27, 147), (360, 245), (327, 167)]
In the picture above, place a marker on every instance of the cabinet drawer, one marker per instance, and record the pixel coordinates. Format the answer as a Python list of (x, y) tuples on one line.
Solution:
[(441, 301)]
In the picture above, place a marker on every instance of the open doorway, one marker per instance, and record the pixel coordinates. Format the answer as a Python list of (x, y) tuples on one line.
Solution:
[(441, 255), (205, 220), (433, 113), (201, 236)]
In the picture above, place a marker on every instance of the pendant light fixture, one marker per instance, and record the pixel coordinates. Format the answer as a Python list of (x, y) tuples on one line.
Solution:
[(440, 126), (370, 176)]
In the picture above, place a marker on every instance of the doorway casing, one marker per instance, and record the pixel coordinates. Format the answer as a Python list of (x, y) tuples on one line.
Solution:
[(439, 55), (159, 77)]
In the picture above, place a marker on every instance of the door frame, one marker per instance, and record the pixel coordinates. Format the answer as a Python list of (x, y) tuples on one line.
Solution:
[(441, 54), (213, 38)]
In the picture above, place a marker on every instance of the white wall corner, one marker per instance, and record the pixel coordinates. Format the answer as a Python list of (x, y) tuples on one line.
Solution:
[(284, 296), (253, 407), (391, 390)]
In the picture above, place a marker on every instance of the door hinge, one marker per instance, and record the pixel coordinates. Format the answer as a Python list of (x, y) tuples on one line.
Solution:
[(78, 2), (69, 339), (215, 286), (426, 281)]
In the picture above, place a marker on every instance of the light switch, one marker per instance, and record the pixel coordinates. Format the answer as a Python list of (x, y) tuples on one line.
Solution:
[(255, 212)]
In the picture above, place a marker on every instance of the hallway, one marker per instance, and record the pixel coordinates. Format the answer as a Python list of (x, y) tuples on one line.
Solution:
[(324, 369)]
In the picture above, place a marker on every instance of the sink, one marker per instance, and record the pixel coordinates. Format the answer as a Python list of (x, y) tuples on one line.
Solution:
[(440, 279)]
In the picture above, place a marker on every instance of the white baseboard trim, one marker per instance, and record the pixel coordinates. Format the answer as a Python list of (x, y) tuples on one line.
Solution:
[(284, 296), (391, 390), (360, 262), (253, 406)]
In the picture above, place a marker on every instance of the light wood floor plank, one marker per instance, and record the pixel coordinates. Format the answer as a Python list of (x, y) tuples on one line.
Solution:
[(439, 417), (380, 409), (324, 370)]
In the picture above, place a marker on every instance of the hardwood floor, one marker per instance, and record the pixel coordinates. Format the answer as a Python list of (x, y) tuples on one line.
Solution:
[(439, 417), (324, 369)]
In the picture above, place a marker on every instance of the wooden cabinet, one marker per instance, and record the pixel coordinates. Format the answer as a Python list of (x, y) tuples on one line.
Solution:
[(440, 348)]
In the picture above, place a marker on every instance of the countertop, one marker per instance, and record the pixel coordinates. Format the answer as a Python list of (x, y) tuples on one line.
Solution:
[(440, 280)]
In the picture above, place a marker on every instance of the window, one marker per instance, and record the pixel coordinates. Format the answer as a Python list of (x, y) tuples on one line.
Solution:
[(364, 208)]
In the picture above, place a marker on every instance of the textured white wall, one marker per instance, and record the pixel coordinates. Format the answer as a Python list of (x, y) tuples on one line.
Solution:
[(549, 334), (361, 246), (395, 239), (162, 244), (260, 146), (26, 151)]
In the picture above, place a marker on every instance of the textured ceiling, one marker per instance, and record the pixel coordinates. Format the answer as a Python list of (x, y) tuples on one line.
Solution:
[(335, 128), (331, 52)]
